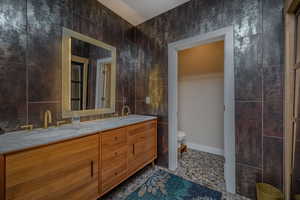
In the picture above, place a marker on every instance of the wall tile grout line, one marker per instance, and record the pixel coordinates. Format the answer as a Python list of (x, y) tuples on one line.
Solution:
[(274, 137), (249, 166), (26, 65), (262, 76), (41, 102), (248, 101)]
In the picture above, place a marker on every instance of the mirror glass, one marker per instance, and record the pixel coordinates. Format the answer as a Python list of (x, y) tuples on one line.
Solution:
[(88, 75)]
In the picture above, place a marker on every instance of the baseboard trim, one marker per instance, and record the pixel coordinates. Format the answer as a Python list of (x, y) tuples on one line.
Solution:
[(204, 148)]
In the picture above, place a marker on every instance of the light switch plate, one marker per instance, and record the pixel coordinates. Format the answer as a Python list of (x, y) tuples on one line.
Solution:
[(148, 100)]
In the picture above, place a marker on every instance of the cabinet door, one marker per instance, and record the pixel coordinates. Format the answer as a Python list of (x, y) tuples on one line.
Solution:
[(142, 145), (296, 136), (67, 170), (296, 131), (2, 177), (113, 158)]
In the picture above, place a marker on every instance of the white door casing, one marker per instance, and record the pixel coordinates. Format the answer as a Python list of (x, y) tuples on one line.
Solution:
[(225, 34)]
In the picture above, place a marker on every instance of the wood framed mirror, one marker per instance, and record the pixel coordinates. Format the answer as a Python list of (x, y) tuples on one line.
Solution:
[(88, 75)]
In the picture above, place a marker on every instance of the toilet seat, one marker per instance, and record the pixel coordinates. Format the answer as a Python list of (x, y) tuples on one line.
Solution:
[(182, 147), (181, 135)]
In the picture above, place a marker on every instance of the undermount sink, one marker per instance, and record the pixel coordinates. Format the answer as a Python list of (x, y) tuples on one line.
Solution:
[(40, 133), (72, 128)]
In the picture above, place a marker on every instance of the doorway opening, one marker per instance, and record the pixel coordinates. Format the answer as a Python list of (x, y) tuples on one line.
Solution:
[(224, 36)]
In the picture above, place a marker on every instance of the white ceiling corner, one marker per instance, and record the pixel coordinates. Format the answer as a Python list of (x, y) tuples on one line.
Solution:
[(139, 11)]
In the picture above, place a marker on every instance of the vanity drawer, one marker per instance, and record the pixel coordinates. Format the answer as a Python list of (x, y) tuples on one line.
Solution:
[(114, 176), (141, 132), (113, 140), (114, 158), (147, 136)]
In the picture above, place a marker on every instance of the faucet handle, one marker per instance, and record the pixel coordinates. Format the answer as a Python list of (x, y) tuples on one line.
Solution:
[(27, 127), (128, 110), (59, 123)]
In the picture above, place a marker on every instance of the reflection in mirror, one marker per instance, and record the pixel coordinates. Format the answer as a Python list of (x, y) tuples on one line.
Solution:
[(90, 76)]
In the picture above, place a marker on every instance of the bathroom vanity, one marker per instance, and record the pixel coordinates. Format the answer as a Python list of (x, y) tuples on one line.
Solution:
[(83, 160), (75, 161)]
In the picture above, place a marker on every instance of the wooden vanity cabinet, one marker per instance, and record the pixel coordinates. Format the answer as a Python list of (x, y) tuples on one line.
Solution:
[(67, 170), (79, 169)]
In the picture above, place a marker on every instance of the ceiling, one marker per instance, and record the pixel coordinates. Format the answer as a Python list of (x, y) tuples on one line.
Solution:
[(139, 11)]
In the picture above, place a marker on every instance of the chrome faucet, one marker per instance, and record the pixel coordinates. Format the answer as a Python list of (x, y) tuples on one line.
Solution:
[(128, 110), (47, 118)]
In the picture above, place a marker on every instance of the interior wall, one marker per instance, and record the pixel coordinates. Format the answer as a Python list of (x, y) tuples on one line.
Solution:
[(201, 96), (202, 59), (258, 62), (30, 55), (201, 111)]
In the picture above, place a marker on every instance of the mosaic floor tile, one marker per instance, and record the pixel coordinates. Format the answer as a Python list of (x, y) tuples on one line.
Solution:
[(203, 168)]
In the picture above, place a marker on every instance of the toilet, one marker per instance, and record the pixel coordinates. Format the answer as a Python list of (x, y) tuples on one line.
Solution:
[(181, 137), (182, 147)]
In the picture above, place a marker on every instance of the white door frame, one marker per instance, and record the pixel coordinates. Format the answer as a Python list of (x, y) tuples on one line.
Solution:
[(225, 34), (99, 80)]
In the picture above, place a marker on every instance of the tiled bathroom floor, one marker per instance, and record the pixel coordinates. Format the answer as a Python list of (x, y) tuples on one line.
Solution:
[(203, 168)]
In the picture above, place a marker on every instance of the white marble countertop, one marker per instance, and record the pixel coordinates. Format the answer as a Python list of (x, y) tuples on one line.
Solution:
[(21, 140)]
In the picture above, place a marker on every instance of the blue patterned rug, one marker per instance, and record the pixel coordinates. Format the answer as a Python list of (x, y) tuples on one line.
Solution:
[(165, 186)]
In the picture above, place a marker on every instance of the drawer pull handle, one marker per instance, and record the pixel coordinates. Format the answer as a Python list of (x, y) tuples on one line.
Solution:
[(116, 173), (116, 153), (116, 138), (133, 149), (92, 168)]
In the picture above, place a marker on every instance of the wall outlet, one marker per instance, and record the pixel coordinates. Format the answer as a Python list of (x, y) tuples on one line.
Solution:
[(148, 100)]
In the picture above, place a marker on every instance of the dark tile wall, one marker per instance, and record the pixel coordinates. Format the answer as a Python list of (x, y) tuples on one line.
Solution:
[(30, 68), (258, 49), (30, 55)]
